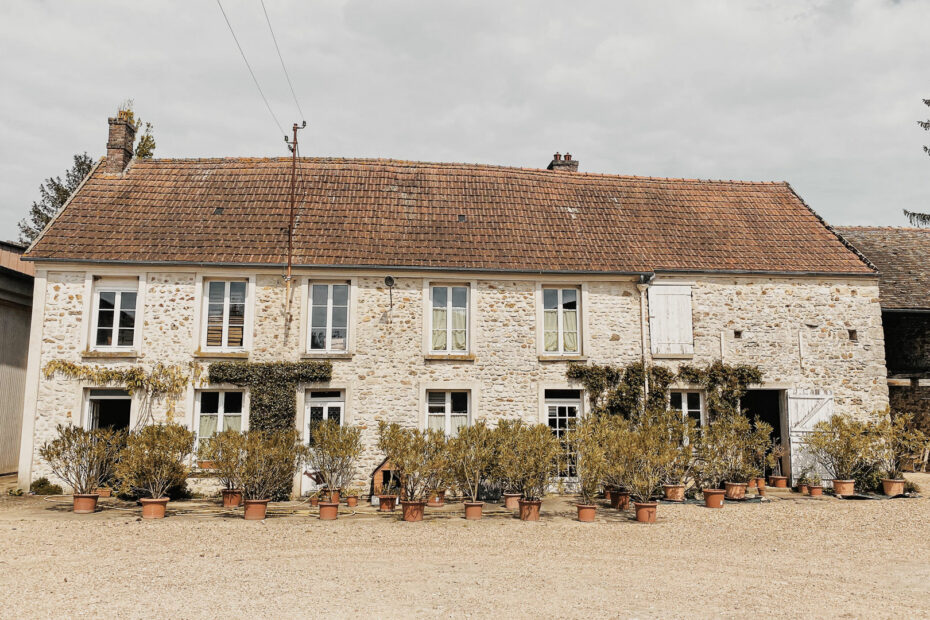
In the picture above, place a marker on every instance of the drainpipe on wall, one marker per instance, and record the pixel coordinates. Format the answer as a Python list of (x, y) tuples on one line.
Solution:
[(644, 281)]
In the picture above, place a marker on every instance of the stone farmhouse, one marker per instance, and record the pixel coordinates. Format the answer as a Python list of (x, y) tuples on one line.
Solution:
[(441, 293)]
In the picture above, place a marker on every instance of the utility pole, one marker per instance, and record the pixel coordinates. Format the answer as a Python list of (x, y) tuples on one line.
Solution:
[(292, 145)]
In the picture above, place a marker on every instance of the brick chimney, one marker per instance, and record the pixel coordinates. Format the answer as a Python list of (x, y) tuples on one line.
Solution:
[(119, 144), (563, 164)]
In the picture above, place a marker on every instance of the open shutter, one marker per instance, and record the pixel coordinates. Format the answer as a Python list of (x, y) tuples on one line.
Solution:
[(670, 326), (805, 409)]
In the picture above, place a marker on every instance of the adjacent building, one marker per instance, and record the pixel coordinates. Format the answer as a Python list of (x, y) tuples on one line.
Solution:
[(15, 311), (442, 293)]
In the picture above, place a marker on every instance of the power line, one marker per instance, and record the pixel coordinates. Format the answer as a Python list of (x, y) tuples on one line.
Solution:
[(281, 58), (252, 73)]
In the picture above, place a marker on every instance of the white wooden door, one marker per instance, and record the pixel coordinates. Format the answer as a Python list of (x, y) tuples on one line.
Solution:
[(805, 409), (670, 321)]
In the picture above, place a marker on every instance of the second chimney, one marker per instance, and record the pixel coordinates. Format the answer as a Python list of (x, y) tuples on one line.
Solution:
[(119, 143), (563, 164)]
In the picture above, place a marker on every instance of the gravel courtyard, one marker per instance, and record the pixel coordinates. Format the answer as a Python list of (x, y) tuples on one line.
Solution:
[(789, 557)]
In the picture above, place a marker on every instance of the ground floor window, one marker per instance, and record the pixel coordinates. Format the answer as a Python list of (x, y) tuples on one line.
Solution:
[(325, 405), (219, 410), (108, 409), (690, 404), (447, 411), (563, 407)]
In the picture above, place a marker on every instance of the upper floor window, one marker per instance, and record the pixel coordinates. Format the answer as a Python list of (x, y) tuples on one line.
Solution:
[(219, 410), (447, 411), (114, 317), (449, 319), (329, 317), (326, 405), (225, 314), (560, 320), (689, 404), (670, 326)]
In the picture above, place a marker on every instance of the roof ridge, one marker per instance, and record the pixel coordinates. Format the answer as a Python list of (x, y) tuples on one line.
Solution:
[(901, 228), (477, 166)]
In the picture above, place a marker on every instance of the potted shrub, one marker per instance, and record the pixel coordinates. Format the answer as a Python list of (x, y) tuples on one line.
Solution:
[(897, 441), (814, 487), (270, 460), (804, 481), (507, 470), (418, 458), (351, 498), (83, 459), (534, 454), (649, 450), (773, 459), (614, 474), (715, 458), (224, 451), (740, 452), (844, 447), (472, 456), (154, 460), (387, 499), (333, 450), (677, 475), (587, 439)]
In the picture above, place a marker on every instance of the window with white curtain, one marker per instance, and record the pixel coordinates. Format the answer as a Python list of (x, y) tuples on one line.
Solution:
[(329, 317), (449, 319), (219, 410), (447, 411), (560, 320), (224, 303)]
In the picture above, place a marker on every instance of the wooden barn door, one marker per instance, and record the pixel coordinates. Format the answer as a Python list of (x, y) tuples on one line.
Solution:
[(805, 409)]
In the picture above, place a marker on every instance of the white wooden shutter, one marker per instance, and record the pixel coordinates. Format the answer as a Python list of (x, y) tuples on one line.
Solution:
[(805, 409), (670, 326)]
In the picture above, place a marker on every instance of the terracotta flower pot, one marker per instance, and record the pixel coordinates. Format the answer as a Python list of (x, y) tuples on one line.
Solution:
[(511, 501), (205, 464), (255, 509), (413, 511), (314, 500), (103, 491), (844, 487), (529, 509), (752, 484), (329, 496), (586, 512), (674, 492), (760, 483), (645, 511), (892, 486), (779, 482), (352, 501), (84, 503), (815, 490), (623, 499), (734, 490), (437, 499), (386, 502), (154, 508), (232, 498), (473, 510), (329, 511), (713, 498), (803, 488)]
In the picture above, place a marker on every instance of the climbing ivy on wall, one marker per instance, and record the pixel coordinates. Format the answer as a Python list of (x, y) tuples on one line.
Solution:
[(272, 387), (619, 390), (724, 385)]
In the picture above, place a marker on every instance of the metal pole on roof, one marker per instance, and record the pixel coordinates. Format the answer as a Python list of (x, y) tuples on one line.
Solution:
[(290, 224)]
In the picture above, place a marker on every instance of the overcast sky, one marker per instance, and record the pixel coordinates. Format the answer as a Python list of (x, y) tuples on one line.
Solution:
[(822, 94)]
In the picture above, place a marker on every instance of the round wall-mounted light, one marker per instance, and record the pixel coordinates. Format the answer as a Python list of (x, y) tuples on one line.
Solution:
[(389, 281)]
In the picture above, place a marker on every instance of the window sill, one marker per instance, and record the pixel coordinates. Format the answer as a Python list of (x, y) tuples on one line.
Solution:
[(449, 357), (673, 356), (562, 358), (110, 355), (226, 355), (324, 355)]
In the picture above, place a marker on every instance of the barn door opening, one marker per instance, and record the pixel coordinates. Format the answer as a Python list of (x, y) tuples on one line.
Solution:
[(805, 409), (768, 405)]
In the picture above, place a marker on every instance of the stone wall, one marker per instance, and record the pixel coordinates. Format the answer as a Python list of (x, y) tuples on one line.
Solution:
[(386, 377)]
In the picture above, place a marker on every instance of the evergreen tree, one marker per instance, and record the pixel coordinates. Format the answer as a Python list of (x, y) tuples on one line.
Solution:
[(53, 194), (921, 219)]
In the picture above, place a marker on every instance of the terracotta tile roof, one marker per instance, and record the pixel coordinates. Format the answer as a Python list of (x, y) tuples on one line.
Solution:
[(358, 212), (901, 255)]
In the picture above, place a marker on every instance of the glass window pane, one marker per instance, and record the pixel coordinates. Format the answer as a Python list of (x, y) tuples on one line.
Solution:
[(675, 401), (232, 402), (459, 296), (338, 340), (236, 314), (209, 402), (214, 335), (318, 316), (125, 338), (440, 296), (237, 292), (234, 337), (436, 398), (459, 402), (340, 294), (107, 300), (569, 299), (320, 294), (552, 341), (570, 342), (436, 423), (105, 318), (327, 394), (458, 421), (127, 300), (104, 337), (207, 426), (217, 292), (334, 412), (318, 338), (127, 318), (459, 340), (316, 413), (694, 400), (232, 423), (550, 298), (340, 315)]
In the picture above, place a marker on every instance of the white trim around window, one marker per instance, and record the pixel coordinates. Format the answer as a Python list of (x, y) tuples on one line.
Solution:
[(113, 287), (581, 327), (690, 403), (227, 409), (332, 310), (472, 388), (542, 408), (449, 307), (230, 300), (304, 395)]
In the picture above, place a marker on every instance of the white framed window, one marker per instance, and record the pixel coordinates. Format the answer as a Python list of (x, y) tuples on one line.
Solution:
[(224, 313), (563, 408), (670, 321), (329, 316), (114, 317), (449, 319), (325, 405), (689, 403), (219, 410), (447, 411), (107, 408), (561, 324)]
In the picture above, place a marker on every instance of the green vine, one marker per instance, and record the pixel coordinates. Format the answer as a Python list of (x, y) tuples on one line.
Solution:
[(619, 390), (272, 387), (724, 384), (161, 382)]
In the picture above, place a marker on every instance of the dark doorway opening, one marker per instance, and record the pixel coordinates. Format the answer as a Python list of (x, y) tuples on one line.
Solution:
[(110, 409), (766, 405)]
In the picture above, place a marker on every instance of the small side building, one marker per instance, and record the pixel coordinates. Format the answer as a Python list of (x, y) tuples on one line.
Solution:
[(16, 281)]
